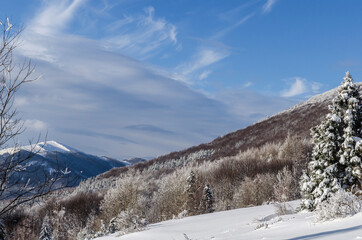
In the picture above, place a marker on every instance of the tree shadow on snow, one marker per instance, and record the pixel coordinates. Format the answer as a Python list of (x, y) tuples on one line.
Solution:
[(313, 236)]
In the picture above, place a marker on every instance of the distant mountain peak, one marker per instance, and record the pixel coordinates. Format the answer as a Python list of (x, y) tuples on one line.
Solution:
[(40, 148), (51, 156), (53, 146)]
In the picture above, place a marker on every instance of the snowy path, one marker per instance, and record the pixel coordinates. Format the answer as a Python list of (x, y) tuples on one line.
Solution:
[(242, 223)]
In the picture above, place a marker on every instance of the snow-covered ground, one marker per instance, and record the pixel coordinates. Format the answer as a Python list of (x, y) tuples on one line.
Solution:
[(40, 148), (250, 223)]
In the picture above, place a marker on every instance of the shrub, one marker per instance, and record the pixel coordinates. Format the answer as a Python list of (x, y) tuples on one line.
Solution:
[(253, 192), (283, 209), (127, 222), (339, 205), (170, 199), (81, 205), (285, 188), (123, 197)]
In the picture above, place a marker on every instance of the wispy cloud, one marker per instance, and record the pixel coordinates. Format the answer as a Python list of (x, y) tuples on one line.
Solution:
[(204, 74), (55, 16), (35, 125), (203, 58), (149, 128), (141, 36), (267, 7), (227, 30), (235, 12), (51, 19), (316, 86), (299, 86), (106, 101), (92, 98), (248, 84), (251, 106)]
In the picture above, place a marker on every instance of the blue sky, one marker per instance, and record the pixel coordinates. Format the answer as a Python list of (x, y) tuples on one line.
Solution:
[(144, 77)]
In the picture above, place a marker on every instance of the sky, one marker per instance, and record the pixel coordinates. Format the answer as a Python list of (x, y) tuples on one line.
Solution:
[(142, 78)]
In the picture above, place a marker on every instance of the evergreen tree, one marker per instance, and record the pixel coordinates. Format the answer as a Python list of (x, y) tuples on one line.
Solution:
[(349, 101), (112, 227), (336, 161), (2, 231), (191, 180), (191, 188), (46, 230), (208, 199)]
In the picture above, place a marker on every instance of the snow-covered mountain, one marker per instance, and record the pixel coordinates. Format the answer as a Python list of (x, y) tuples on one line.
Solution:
[(51, 156), (40, 148)]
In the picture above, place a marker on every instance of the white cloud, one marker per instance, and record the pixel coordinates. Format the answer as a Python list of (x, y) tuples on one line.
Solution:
[(251, 106), (248, 84), (141, 36), (88, 97), (105, 103), (299, 86), (35, 125), (173, 34), (49, 22), (55, 16), (203, 58), (20, 101), (225, 31), (316, 86), (120, 23), (204, 74), (267, 7)]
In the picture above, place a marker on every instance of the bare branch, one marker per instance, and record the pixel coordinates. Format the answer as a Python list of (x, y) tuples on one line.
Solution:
[(16, 187)]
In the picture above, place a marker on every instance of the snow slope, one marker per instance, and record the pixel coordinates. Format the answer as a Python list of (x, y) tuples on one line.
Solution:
[(250, 223), (40, 148)]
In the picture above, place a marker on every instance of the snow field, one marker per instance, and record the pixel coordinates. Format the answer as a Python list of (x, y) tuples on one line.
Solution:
[(260, 222)]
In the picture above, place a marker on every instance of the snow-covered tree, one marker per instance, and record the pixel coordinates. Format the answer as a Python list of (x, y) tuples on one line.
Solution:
[(127, 222), (85, 234), (323, 169), (341, 204), (46, 230), (15, 183), (208, 199), (191, 180), (349, 102), (336, 157), (2, 231), (191, 189), (112, 227)]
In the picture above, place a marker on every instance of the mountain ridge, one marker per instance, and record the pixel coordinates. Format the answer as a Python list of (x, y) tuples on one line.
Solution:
[(44, 158), (296, 121)]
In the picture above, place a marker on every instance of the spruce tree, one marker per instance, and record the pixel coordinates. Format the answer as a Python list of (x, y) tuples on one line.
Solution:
[(112, 227), (208, 199), (46, 230), (191, 188), (336, 157), (2, 231), (350, 155)]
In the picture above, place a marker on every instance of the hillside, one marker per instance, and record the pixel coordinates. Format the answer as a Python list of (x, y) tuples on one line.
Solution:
[(260, 222), (296, 121), (258, 165)]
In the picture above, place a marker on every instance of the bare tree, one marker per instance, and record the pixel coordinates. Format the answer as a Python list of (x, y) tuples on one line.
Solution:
[(15, 185)]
